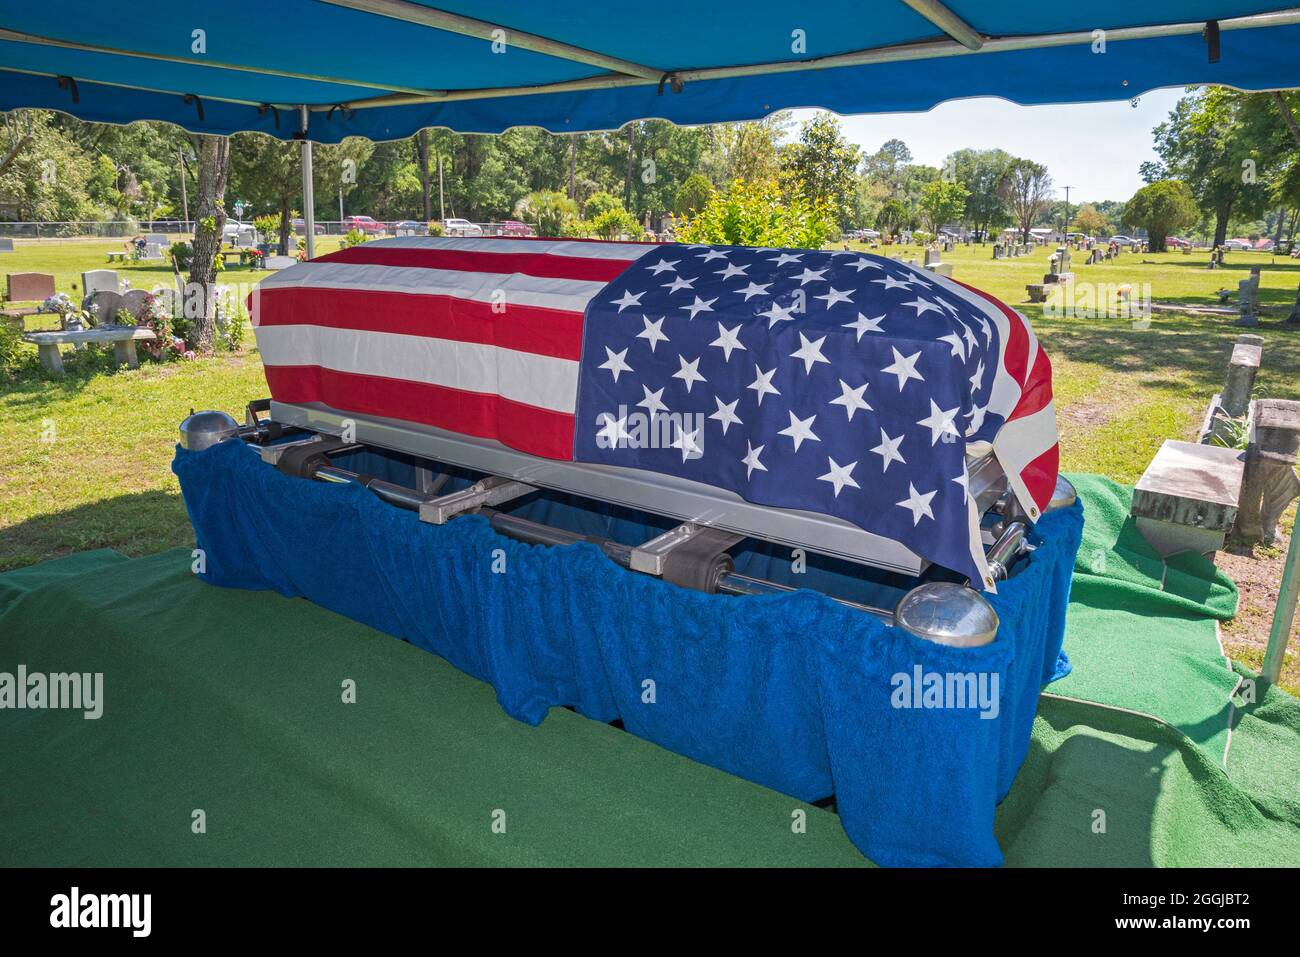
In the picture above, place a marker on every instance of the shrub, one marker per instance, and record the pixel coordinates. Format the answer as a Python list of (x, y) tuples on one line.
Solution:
[(355, 237), (182, 253), (435, 229), (758, 214)]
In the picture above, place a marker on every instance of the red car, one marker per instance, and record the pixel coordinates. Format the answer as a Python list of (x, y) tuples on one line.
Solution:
[(363, 223), (1174, 242), (512, 227)]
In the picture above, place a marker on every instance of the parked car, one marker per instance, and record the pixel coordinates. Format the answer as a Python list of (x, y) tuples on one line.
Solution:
[(409, 227), (1238, 245), (239, 234), (167, 226), (512, 227), (364, 223), (1177, 242), (460, 227), (1125, 240), (300, 228)]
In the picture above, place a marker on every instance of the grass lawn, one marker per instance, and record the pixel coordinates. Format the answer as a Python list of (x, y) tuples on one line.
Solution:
[(84, 459)]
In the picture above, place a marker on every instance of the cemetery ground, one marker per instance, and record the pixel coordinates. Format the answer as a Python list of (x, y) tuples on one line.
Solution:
[(84, 458)]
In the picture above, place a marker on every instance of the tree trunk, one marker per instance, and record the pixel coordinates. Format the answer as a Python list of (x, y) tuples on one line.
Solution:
[(286, 226), (573, 165), (631, 164), (210, 216), (1292, 125), (422, 160), (1221, 216)]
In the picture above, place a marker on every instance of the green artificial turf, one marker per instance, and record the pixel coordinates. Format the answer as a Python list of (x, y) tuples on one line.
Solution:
[(231, 702)]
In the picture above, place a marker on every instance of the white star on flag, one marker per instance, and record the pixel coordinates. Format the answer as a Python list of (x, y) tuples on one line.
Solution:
[(714, 254), (754, 289), (778, 313), (781, 260), (978, 377), (904, 368), (852, 399), (800, 429), (888, 451), (762, 384), (863, 324), (689, 372), (862, 264), (728, 339), (919, 503), (664, 266), (889, 282), (939, 422), (628, 299), (653, 401), (686, 442), (839, 475), (751, 461), (810, 353), (731, 270), (680, 282), (963, 480), (698, 306), (810, 275), (954, 340), (922, 306), (613, 432), (834, 296), (614, 362), (653, 332), (726, 414)]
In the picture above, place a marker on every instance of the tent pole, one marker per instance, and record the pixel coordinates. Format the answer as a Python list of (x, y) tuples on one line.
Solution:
[(308, 189), (1284, 615)]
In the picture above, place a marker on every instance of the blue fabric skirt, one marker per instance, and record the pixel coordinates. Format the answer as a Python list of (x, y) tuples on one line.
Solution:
[(792, 691)]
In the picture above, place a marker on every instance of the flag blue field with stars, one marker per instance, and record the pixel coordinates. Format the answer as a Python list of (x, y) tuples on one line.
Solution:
[(836, 382)]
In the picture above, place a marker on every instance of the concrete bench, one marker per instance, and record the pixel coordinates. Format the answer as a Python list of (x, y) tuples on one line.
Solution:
[(123, 339), (1187, 498)]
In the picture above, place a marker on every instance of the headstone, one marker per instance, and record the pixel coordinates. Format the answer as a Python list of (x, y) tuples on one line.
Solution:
[(1186, 500), (99, 280), (104, 306), (1270, 482), (284, 262), (1240, 380), (932, 256), (134, 302), (1037, 291), (28, 286), (6, 245), (998, 250), (1248, 299), (940, 268)]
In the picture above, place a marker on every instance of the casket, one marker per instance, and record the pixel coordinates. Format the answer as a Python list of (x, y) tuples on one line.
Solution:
[(839, 402), (848, 464)]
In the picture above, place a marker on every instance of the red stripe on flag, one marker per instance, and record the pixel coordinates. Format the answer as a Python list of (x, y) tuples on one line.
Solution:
[(1015, 352), (542, 265), (524, 427), (546, 332), (1037, 392), (1039, 476)]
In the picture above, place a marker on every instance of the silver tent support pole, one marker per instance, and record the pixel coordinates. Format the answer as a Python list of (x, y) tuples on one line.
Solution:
[(308, 190), (1284, 615)]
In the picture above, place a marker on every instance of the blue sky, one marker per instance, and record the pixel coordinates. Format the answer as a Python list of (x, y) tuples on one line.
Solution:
[(1094, 147)]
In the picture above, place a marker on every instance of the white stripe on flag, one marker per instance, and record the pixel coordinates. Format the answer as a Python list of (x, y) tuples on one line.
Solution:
[(552, 247), (536, 380), (1020, 442), (567, 295)]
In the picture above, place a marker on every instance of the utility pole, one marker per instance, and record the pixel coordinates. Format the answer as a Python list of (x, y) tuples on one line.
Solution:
[(1066, 228)]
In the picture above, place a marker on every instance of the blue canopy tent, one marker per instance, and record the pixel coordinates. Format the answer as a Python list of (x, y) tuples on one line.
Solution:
[(386, 68)]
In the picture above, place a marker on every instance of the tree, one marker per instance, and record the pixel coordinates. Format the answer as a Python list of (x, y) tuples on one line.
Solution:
[(892, 216), (823, 164), (210, 214), (941, 202), (1215, 143), (1089, 221), (1161, 208), (692, 195), (1027, 189), (549, 209), (886, 165), (982, 173)]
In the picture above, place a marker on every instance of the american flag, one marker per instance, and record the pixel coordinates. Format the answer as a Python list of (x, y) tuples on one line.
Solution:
[(833, 382)]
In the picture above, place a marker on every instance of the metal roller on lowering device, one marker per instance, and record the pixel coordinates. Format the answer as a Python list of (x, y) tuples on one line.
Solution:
[(691, 555)]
